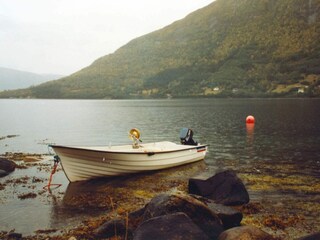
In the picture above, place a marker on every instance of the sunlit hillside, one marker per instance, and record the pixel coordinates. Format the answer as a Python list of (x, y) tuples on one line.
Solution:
[(234, 48)]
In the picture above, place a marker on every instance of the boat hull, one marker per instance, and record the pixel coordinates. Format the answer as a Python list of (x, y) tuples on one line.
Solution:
[(81, 163)]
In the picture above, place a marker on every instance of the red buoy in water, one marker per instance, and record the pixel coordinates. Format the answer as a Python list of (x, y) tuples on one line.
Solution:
[(250, 119)]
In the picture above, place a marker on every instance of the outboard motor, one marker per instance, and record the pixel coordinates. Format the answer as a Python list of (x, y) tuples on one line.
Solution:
[(186, 137)]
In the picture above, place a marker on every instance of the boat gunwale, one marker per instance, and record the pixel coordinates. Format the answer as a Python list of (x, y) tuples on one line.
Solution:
[(124, 152)]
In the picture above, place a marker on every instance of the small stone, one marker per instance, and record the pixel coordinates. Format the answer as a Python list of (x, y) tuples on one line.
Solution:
[(7, 165)]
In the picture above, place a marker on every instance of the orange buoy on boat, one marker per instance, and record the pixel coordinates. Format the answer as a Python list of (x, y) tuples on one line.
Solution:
[(250, 119)]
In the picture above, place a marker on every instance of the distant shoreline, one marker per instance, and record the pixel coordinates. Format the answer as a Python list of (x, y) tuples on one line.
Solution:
[(175, 97)]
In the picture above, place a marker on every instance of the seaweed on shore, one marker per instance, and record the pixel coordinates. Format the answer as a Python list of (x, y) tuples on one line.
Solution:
[(289, 202), (270, 208), (27, 195), (25, 157), (8, 136)]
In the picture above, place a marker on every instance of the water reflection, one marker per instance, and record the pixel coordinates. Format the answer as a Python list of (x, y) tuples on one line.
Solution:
[(93, 197), (96, 193), (250, 133)]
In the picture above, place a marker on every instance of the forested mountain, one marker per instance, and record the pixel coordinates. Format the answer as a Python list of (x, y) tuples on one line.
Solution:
[(14, 79), (229, 48)]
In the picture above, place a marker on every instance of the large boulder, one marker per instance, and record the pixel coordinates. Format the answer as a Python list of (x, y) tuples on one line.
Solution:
[(245, 232), (224, 188), (197, 211), (170, 227), (6, 166), (229, 216)]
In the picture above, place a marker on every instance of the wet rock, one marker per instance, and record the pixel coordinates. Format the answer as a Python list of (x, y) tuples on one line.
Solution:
[(111, 228), (138, 213), (229, 216), (119, 227), (3, 173), (170, 227), (224, 188), (197, 211), (7, 165), (314, 236), (135, 218), (245, 232), (14, 236)]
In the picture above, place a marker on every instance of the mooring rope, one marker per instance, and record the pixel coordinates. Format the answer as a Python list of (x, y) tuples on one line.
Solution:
[(56, 160)]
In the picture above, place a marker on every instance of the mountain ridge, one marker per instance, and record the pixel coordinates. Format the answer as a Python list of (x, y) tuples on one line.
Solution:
[(237, 48), (15, 79)]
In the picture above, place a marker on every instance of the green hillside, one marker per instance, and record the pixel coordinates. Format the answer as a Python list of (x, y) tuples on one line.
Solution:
[(229, 48)]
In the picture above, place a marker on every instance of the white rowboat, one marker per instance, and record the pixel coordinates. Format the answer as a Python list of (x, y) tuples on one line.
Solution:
[(83, 163)]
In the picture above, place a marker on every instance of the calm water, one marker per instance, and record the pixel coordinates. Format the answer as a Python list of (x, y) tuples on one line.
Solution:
[(286, 130)]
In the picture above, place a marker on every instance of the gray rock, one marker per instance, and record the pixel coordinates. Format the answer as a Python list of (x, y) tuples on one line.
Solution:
[(3, 173), (170, 227), (7, 165), (228, 215), (14, 236), (197, 211), (224, 188)]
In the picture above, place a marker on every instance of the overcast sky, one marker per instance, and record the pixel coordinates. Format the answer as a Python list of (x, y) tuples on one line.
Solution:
[(63, 36)]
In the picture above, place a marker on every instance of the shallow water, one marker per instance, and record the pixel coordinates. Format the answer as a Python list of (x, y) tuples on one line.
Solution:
[(284, 140), (67, 206)]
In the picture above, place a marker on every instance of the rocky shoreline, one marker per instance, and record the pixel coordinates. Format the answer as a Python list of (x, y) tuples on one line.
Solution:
[(214, 207)]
